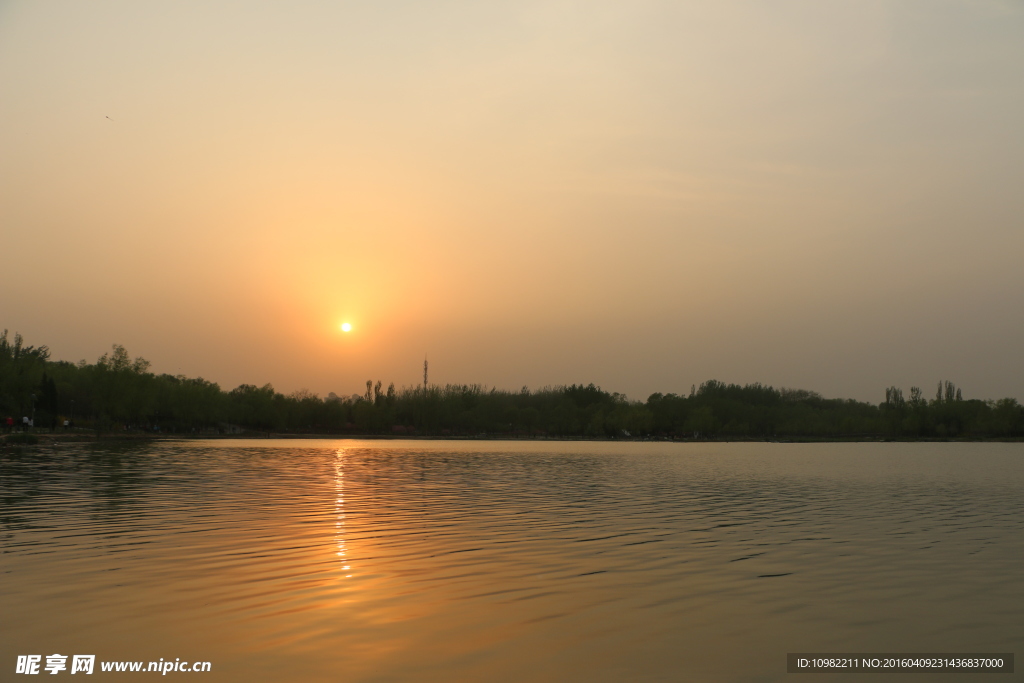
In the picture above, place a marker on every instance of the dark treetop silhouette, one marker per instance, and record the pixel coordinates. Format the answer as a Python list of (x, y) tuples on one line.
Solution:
[(118, 393)]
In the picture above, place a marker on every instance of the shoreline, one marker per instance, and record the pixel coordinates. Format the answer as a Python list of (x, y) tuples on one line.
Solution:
[(22, 439)]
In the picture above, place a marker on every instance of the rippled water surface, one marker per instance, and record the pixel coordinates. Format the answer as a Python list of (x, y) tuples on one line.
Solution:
[(507, 561)]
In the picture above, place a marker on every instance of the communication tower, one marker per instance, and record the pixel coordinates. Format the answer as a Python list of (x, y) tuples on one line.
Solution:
[(424, 373)]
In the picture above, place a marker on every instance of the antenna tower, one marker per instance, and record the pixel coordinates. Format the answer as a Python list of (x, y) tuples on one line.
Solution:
[(424, 373)]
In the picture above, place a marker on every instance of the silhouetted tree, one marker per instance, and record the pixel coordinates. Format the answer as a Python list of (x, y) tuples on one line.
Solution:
[(119, 392)]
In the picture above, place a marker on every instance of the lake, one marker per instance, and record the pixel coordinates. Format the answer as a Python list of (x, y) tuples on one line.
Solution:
[(317, 560)]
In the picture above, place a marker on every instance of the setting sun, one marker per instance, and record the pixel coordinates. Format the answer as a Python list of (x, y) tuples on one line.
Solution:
[(346, 327)]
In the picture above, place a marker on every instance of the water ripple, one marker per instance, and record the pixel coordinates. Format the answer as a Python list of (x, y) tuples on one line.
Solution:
[(510, 561)]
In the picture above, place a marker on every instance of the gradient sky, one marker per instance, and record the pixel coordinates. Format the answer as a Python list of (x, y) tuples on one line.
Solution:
[(644, 195)]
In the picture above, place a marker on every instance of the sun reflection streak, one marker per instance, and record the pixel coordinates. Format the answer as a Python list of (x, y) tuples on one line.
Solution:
[(339, 509)]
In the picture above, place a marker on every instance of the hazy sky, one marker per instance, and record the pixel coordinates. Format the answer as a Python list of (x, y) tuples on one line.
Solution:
[(643, 194)]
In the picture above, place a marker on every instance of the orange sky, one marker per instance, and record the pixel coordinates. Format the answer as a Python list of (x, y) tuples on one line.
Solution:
[(642, 195)]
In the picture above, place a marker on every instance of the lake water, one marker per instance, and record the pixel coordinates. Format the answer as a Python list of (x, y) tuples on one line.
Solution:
[(509, 561)]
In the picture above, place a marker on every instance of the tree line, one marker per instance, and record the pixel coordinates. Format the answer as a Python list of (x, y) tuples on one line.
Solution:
[(118, 393)]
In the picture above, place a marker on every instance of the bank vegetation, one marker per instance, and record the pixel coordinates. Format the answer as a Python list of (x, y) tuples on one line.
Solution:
[(119, 394)]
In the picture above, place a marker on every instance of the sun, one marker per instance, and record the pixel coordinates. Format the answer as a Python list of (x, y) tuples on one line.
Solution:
[(346, 327)]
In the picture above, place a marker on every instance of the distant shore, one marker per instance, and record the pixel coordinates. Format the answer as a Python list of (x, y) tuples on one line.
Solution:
[(22, 439), (118, 396)]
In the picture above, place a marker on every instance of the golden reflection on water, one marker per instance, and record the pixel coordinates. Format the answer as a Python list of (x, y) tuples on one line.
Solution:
[(510, 562), (339, 509)]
